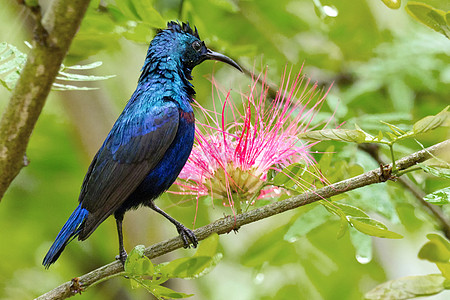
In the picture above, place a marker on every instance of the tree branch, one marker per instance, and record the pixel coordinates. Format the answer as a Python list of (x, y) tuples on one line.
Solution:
[(227, 224), (51, 42)]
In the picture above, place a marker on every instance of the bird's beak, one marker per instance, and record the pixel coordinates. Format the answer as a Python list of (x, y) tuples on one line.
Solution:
[(220, 57)]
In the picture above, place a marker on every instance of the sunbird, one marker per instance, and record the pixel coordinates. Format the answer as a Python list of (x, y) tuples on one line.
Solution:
[(149, 143)]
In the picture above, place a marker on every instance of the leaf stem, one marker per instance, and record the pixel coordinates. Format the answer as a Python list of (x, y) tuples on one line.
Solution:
[(237, 202), (108, 277), (403, 172), (391, 149)]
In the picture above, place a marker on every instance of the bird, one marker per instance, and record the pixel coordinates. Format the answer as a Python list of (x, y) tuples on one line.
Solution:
[(148, 144)]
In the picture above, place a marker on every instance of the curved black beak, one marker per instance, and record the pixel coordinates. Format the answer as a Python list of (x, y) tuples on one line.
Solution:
[(220, 57)]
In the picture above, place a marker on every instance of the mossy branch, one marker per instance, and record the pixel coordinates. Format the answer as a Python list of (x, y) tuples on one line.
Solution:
[(53, 36), (227, 224)]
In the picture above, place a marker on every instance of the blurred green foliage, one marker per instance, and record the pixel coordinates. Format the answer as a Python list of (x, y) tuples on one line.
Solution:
[(12, 61), (384, 66)]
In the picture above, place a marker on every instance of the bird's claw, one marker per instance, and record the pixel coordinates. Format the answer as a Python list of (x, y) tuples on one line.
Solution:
[(187, 236), (122, 257)]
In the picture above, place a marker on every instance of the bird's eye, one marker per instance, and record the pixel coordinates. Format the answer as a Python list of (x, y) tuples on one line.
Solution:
[(197, 46)]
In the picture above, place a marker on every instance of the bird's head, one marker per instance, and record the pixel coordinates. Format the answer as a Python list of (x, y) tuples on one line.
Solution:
[(180, 46)]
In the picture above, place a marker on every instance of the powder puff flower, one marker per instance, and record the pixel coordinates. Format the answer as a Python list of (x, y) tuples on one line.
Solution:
[(234, 152)]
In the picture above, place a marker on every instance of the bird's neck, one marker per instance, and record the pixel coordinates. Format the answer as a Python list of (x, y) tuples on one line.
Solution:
[(168, 71)]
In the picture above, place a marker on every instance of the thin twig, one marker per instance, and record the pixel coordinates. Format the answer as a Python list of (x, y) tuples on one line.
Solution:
[(436, 212), (227, 224)]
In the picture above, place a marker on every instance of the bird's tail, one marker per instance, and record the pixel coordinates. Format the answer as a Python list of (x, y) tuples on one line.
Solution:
[(69, 231)]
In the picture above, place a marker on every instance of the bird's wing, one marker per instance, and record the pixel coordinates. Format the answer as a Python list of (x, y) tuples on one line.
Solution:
[(135, 145)]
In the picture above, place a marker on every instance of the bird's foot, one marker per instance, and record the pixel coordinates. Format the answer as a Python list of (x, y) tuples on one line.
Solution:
[(122, 257), (187, 236)]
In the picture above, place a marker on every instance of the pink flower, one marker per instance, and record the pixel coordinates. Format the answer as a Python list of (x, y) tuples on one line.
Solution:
[(231, 159)]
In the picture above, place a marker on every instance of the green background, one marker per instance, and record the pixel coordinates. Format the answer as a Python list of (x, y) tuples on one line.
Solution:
[(383, 64)]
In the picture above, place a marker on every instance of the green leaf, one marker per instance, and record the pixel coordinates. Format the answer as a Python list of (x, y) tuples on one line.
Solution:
[(162, 292), (334, 209), (393, 4), (12, 62), (93, 65), (201, 263), (80, 77), (327, 172), (437, 249), (148, 14), (307, 222), (191, 267), (407, 215), (135, 283), (9, 66), (271, 249), (361, 221), (408, 287), (208, 247), (342, 135), (392, 136), (445, 269), (439, 197), (430, 16), (395, 129), (343, 226), (372, 227), (340, 209), (350, 210), (431, 122), (379, 137), (288, 174), (137, 263), (363, 245), (69, 87), (436, 171), (139, 32), (325, 160), (138, 11), (128, 9)]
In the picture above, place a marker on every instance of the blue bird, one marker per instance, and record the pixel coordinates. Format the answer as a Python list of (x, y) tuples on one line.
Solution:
[(149, 143)]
